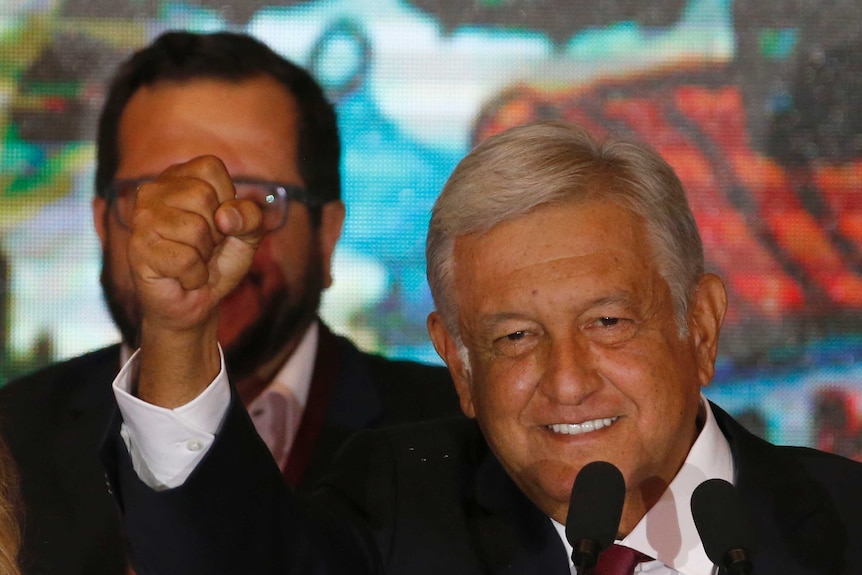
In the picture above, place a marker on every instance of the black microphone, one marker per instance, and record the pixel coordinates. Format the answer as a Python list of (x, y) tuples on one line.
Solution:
[(724, 526), (595, 508)]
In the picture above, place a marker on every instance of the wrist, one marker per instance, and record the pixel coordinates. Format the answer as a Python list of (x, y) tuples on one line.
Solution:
[(175, 366)]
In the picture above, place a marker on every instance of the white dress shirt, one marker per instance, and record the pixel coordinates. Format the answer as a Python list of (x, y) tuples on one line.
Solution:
[(292, 384), (167, 444), (667, 532)]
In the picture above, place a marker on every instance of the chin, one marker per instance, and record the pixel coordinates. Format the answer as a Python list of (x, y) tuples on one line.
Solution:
[(238, 311), (232, 322), (554, 479), (231, 327)]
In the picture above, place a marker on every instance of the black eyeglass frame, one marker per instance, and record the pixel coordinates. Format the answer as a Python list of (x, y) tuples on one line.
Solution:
[(284, 192)]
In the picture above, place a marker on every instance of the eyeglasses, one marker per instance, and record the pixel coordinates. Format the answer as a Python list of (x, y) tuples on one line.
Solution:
[(271, 197)]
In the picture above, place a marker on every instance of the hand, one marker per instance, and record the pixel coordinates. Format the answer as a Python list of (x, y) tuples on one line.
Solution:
[(191, 244)]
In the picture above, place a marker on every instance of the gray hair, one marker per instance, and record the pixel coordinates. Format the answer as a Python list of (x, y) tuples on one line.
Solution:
[(514, 172)]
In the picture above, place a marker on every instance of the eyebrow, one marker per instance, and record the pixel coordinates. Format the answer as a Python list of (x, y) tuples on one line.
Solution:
[(622, 298), (498, 318)]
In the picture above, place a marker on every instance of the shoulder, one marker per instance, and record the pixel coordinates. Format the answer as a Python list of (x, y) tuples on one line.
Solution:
[(408, 390), (413, 391), (414, 452), (838, 473), (82, 381), (413, 470), (749, 448), (787, 473), (387, 369), (72, 372), (459, 435), (456, 439)]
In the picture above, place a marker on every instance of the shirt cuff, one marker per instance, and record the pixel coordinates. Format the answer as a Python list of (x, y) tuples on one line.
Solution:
[(167, 444)]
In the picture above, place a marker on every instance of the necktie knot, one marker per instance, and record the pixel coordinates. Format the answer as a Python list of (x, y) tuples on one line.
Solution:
[(619, 560)]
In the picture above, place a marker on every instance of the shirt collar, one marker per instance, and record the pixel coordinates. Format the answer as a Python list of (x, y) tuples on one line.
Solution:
[(667, 532)]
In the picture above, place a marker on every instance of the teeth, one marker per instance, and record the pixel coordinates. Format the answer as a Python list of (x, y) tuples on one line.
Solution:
[(578, 428)]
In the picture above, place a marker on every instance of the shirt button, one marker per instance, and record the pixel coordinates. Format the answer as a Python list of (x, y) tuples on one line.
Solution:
[(194, 445)]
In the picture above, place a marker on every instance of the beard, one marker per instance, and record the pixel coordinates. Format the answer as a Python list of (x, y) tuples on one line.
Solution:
[(127, 319), (283, 319), (281, 323)]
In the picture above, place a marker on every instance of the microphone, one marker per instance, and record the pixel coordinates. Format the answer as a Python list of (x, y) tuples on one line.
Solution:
[(595, 508), (724, 526)]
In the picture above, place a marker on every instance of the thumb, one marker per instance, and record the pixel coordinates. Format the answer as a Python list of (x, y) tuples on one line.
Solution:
[(241, 219), (241, 223)]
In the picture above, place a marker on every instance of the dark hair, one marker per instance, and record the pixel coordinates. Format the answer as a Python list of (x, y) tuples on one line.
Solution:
[(180, 56)]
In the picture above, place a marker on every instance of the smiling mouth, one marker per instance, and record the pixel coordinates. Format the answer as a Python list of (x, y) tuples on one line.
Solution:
[(579, 428)]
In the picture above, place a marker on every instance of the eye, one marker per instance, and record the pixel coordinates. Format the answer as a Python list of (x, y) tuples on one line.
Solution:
[(515, 343), (611, 330)]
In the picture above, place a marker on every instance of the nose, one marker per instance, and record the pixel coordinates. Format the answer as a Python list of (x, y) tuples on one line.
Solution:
[(570, 374)]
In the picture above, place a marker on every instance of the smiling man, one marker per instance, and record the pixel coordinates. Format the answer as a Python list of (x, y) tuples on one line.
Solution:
[(559, 377), (578, 324)]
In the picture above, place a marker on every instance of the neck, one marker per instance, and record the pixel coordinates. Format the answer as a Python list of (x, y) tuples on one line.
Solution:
[(250, 386)]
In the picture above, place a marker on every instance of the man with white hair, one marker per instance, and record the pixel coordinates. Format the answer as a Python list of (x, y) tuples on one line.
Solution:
[(578, 324)]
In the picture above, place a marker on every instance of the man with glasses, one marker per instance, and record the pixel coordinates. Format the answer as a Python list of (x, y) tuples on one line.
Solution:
[(230, 99)]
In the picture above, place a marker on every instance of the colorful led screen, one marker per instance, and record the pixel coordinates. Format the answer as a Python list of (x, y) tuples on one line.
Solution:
[(758, 106)]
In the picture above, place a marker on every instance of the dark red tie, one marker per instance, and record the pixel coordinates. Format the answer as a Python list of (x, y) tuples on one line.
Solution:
[(619, 560)]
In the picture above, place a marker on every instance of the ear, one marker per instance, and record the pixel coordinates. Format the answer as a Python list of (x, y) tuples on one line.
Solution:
[(100, 220), (705, 319), (447, 349), (331, 223)]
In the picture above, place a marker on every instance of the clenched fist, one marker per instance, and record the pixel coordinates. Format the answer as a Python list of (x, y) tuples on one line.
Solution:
[(191, 244)]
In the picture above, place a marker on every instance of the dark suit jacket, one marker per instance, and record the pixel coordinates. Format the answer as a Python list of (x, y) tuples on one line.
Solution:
[(55, 421), (431, 499)]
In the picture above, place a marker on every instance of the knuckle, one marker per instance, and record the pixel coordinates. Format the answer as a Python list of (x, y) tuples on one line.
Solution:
[(200, 232), (186, 260), (204, 195), (210, 167), (143, 216)]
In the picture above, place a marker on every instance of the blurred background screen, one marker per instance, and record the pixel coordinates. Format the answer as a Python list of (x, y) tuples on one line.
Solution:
[(758, 106)]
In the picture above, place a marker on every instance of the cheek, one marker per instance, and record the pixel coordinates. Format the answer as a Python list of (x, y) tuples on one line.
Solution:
[(283, 258), (658, 380), (663, 387), (118, 255), (502, 388), (273, 263)]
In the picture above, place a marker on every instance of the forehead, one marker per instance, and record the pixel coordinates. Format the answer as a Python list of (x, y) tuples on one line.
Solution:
[(252, 125), (570, 245)]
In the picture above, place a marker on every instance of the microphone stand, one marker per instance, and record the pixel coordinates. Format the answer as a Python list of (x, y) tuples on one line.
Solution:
[(585, 554), (736, 562)]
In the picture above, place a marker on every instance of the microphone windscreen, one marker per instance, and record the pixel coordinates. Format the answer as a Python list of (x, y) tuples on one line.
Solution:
[(596, 504), (721, 520)]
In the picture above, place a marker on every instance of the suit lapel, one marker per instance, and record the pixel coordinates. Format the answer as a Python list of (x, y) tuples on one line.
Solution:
[(798, 528), (511, 534), (81, 426), (82, 503), (343, 399), (327, 363)]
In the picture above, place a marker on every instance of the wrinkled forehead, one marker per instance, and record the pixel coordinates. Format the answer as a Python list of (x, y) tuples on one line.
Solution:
[(580, 238)]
